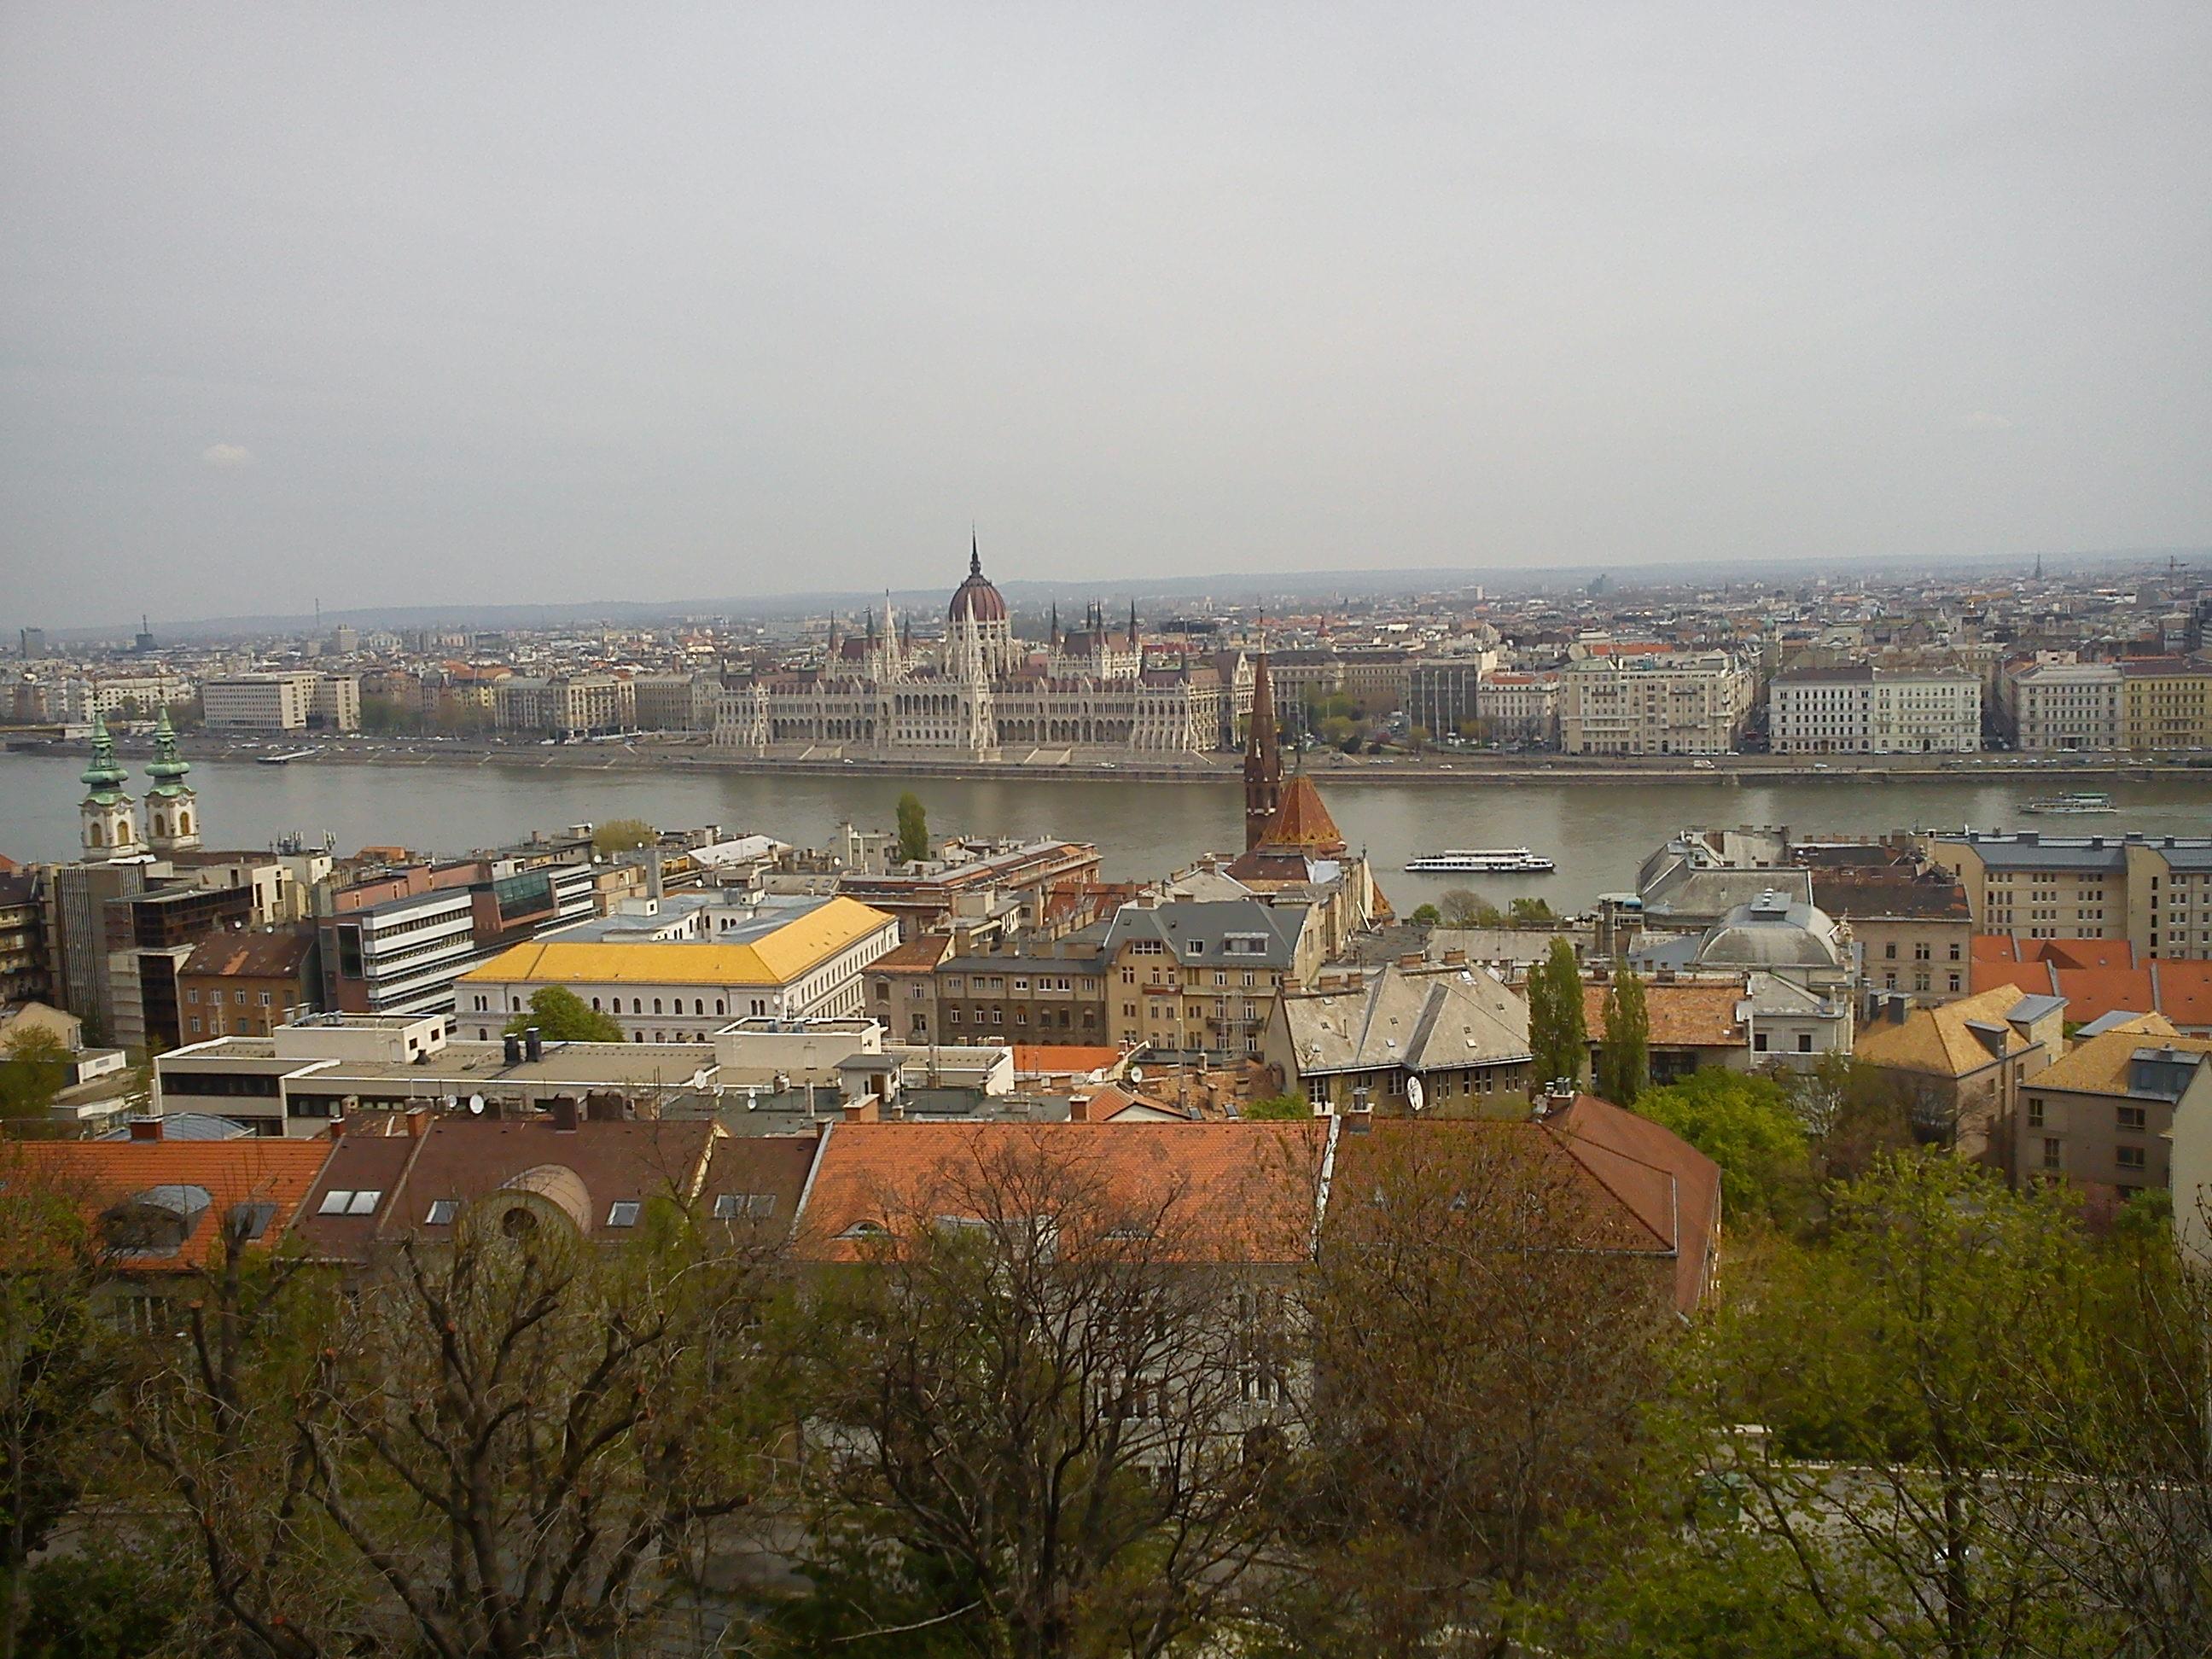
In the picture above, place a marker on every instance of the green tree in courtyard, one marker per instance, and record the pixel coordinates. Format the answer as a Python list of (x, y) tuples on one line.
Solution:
[(561, 1016), (1749, 1126), (1427, 916), (34, 1069), (913, 829), (1623, 1054), (622, 835), (1463, 908), (1527, 912), (1278, 1108), (1558, 1038)]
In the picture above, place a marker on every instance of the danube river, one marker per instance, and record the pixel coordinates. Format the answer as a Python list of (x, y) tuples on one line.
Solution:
[(1598, 833)]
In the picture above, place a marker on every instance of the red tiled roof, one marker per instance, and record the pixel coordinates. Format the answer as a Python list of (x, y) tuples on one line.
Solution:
[(1231, 1191), (1040, 1058), (1302, 821), (1626, 1151), (1681, 1016), (102, 1174)]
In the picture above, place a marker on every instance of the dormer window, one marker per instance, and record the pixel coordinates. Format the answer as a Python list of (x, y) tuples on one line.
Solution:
[(340, 1200)]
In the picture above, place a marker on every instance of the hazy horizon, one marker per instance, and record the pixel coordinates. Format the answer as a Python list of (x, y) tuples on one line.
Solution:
[(506, 304)]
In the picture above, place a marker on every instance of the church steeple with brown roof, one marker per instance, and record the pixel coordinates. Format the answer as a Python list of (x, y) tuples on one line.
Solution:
[(1263, 758)]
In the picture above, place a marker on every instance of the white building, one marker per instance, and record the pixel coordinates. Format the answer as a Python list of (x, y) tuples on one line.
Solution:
[(566, 707), (1655, 703), (668, 972), (2058, 705), (1862, 710), (282, 702), (980, 694)]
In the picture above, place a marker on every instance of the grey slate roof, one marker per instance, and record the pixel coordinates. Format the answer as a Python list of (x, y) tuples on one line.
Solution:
[(1237, 933), (1416, 1022)]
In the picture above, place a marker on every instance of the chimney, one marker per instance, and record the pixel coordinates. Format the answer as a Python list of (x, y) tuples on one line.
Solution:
[(146, 1128), (1412, 959), (1078, 1109), (862, 1111), (563, 1107), (418, 1121), (533, 1045), (606, 1107), (512, 1045), (1455, 959)]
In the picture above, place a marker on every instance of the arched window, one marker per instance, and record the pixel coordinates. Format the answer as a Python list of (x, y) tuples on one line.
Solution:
[(698, 1004), (718, 1006), (656, 1005), (100, 834), (595, 1004), (636, 1006)]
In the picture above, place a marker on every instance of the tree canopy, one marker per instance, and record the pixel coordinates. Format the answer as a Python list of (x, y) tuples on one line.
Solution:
[(561, 1016), (1624, 1055), (622, 835), (913, 829), (1558, 1036), (1748, 1125)]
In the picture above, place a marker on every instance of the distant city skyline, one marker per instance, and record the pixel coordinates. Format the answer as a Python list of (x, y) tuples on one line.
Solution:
[(504, 305)]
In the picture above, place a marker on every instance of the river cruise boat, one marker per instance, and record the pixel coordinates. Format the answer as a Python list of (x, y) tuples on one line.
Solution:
[(2073, 801), (1480, 861)]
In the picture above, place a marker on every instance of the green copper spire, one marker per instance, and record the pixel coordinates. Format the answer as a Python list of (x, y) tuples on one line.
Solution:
[(103, 777), (167, 768)]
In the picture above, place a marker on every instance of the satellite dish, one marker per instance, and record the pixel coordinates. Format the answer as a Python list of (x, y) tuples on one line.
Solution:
[(475, 1105), (1414, 1092), (1136, 1074)]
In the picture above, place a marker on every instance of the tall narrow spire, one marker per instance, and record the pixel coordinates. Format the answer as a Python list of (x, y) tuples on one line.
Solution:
[(975, 553), (1263, 758)]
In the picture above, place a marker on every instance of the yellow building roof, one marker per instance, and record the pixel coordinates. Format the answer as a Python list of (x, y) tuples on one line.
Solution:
[(1936, 1039), (789, 953), (2099, 1067)]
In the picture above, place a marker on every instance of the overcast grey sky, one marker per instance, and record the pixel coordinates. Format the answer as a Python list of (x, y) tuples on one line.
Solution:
[(388, 303)]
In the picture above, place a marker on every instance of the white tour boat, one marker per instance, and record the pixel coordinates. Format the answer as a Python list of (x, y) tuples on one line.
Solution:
[(1480, 861)]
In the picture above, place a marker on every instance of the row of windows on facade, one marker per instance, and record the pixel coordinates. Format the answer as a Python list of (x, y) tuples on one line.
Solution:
[(1920, 981), (621, 1213), (2124, 1157), (637, 1006), (2127, 1120), (1920, 951)]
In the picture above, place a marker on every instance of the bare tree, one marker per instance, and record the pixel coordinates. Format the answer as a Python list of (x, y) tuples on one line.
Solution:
[(528, 1438), (1048, 1399), (1483, 1333)]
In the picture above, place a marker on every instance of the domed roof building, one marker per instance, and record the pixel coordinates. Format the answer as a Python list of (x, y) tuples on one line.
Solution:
[(1775, 932), (976, 599), (980, 694)]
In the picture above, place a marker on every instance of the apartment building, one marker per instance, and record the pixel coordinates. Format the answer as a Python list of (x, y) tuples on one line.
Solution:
[(2060, 705), (1199, 976), (2155, 891), (566, 706), (259, 702), (1405, 1042), (246, 984), (1864, 710), (2166, 704), (1517, 708), (1661, 703), (1913, 930), (676, 703), (1038, 991), (2102, 1117)]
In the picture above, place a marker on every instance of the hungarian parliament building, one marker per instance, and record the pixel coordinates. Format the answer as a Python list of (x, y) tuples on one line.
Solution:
[(979, 693)]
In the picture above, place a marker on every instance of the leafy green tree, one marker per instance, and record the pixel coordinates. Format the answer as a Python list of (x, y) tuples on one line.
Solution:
[(1558, 1038), (35, 1070), (1278, 1108), (913, 829), (1529, 912), (1623, 1054), (622, 835), (561, 1016), (58, 1361), (1425, 916), (1749, 1126), (1906, 1349)]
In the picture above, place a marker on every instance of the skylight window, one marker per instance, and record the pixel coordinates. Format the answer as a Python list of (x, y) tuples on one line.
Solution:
[(443, 1212), (623, 1212), (341, 1201)]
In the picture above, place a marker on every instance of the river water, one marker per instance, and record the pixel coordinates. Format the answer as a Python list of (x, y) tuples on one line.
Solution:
[(1597, 833)]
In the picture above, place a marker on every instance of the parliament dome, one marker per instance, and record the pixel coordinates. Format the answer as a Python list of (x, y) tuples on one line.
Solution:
[(975, 597)]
